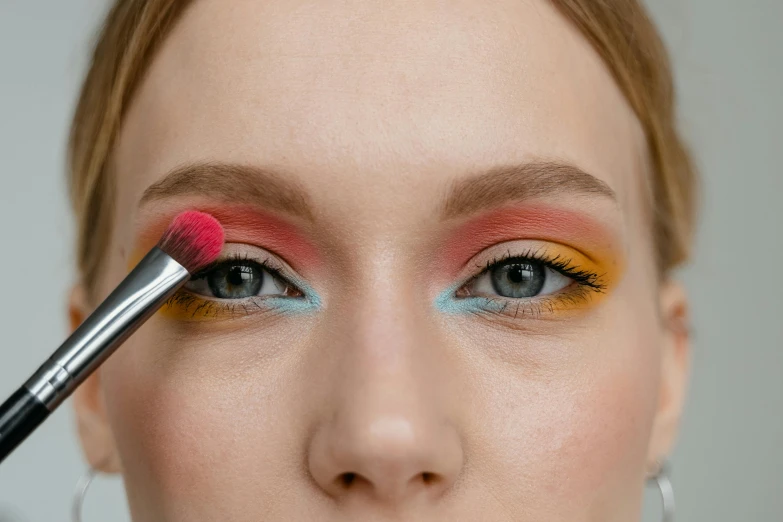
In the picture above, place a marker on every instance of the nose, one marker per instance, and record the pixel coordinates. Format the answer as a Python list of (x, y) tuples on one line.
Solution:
[(391, 458), (386, 432)]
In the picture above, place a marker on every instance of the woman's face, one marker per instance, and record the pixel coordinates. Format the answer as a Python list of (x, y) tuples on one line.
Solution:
[(438, 299)]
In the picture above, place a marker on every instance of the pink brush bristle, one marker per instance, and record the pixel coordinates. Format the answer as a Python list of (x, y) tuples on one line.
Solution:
[(193, 239)]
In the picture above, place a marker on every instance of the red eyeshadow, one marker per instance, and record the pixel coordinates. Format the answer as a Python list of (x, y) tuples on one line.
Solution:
[(574, 229), (255, 227)]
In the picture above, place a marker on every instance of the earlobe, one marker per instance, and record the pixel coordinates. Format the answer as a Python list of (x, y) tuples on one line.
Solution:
[(95, 433), (675, 367)]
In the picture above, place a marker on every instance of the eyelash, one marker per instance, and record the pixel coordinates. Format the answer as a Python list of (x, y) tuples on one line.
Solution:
[(586, 284), (198, 306)]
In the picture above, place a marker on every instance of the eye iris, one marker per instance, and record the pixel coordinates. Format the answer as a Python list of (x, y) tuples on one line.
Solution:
[(235, 281), (518, 279)]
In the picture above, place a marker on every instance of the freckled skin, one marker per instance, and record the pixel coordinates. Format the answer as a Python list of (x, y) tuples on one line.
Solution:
[(379, 406)]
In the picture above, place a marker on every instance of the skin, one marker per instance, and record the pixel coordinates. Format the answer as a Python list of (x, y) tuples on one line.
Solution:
[(374, 109)]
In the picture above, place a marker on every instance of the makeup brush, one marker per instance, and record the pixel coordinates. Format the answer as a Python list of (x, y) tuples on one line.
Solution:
[(192, 241)]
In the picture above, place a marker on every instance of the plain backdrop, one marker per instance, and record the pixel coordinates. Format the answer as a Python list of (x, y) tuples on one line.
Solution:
[(728, 58)]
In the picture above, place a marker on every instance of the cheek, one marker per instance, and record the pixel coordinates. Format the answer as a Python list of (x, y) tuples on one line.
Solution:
[(154, 424), (600, 429), (576, 434), (176, 413), (613, 406)]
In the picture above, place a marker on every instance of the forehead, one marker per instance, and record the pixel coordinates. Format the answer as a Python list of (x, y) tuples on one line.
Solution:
[(342, 91)]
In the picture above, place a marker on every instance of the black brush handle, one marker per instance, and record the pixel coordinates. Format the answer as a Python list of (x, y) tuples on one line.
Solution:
[(156, 278), (19, 416)]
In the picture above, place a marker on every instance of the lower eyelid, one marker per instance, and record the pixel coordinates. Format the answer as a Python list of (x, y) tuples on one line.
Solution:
[(189, 306), (576, 297)]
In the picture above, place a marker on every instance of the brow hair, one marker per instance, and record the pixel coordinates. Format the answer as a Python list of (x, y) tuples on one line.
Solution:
[(520, 182), (273, 189), (234, 183)]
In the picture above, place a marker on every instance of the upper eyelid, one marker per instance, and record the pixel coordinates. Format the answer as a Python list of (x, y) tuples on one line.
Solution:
[(279, 268), (540, 250), (530, 255), (537, 254), (270, 263), (268, 256)]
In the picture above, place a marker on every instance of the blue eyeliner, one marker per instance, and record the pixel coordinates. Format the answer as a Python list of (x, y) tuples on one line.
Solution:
[(310, 302), (448, 302)]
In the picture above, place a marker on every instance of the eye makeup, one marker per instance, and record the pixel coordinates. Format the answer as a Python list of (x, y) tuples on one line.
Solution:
[(289, 293), (248, 225), (256, 242), (531, 222), (542, 244)]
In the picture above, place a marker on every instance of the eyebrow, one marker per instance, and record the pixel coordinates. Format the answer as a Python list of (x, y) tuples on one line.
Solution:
[(235, 183), (517, 183), (274, 190)]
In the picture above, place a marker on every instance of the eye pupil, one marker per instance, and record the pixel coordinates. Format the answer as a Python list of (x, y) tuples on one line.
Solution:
[(518, 279), (520, 273), (237, 275)]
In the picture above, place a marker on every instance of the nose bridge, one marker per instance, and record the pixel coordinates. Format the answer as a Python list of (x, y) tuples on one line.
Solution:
[(388, 333), (387, 433), (385, 321), (387, 356)]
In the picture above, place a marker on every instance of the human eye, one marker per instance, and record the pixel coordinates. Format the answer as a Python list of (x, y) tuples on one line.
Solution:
[(524, 279), (243, 281), (240, 278)]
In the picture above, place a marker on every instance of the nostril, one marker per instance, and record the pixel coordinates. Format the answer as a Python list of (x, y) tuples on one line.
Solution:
[(347, 479), (429, 478)]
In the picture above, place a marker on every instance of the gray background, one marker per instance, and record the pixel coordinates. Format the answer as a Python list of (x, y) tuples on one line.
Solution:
[(728, 56)]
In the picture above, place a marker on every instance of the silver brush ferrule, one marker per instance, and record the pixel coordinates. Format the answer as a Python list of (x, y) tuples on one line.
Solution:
[(149, 285)]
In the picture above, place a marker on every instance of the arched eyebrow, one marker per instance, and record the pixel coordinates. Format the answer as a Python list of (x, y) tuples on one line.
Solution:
[(275, 190), (517, 183), (240, 184)]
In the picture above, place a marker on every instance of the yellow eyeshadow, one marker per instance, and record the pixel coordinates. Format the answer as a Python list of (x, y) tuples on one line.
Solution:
[(606, 267), (183, 306), (594, 277)]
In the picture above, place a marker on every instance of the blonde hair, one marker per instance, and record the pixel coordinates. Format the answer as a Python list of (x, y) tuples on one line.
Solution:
[(619, 30)]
